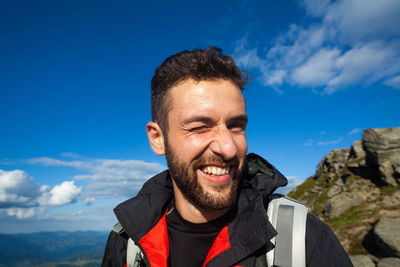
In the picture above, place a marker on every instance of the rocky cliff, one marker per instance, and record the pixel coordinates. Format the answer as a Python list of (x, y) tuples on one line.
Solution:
[(356, 192)]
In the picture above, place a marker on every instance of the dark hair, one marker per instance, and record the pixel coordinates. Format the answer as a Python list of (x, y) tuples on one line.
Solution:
[(198, 65)]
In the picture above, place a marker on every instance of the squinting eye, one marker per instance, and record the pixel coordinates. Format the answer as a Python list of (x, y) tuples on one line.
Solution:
[(237, 126), (199, 129)]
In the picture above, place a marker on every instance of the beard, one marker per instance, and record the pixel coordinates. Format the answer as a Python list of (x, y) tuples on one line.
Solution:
[(187, 181)]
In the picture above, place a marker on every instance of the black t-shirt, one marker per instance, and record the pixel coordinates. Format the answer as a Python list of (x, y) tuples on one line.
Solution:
[(189, 242)]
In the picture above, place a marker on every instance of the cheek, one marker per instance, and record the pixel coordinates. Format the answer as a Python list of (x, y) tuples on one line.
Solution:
[(194, 145), (241, 143)]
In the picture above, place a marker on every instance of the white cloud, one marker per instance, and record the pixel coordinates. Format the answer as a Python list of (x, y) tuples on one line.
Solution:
[(294, 47), (362, 20), (61, 194), (354, 131), (56, 162), (316, 8), (275, 77), (106, 178), (110, 189), (18, 189), (308, 143), (293, 181), (354, 42), (70, 155), (112, 170), (89, 200), (318, 70), (394, 82), (21, 213), (330, 142), (368, 63), (78, 213), (248, 58)]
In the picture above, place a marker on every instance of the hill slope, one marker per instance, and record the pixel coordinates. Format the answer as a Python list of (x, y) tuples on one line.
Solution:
[(356, 192)]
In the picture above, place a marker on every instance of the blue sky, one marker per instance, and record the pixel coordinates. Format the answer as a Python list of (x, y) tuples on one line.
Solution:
[(75, 92)]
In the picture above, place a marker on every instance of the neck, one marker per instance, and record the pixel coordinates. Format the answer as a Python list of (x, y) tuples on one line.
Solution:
[(190, 212)]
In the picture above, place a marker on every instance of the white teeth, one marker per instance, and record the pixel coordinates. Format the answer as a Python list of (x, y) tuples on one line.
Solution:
[(225, 170), (215, 170)]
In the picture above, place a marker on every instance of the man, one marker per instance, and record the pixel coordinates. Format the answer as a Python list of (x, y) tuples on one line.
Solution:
[(207, 209)]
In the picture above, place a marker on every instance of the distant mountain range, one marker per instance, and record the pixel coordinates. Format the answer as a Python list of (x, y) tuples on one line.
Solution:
[(55, 249)]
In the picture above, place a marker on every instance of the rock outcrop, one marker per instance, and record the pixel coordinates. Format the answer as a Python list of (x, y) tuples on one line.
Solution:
[(387, 234), (379, 156), (389, 262), (356, 192), (362, 261)]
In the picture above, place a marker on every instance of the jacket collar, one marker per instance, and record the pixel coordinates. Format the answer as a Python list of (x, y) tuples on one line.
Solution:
[(249, 229), (141, 213)]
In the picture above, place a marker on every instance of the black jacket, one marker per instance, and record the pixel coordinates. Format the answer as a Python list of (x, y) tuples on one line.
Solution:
[(246, 238)]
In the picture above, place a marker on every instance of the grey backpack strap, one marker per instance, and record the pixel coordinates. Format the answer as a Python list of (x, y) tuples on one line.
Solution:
[(289, 218), (134, 254), (118, 228)]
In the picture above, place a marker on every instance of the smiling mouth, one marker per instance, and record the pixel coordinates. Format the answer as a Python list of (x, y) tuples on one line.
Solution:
[(215, 171)]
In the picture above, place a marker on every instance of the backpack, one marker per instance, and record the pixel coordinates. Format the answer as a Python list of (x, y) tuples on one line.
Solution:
[(287, 216)]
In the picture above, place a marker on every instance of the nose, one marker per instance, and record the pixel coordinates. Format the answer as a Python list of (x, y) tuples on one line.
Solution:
[(223, 144)]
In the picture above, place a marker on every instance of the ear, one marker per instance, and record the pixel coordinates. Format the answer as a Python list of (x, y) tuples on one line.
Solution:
[(156, 138)]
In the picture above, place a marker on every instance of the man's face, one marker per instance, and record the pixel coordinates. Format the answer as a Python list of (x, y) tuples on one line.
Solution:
[(206, 144)]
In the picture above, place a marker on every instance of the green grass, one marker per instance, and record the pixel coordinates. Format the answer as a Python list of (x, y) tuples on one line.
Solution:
[(351, 217), (315, 200), (320, 201), (356, 248), (302, 189), (389, 190)]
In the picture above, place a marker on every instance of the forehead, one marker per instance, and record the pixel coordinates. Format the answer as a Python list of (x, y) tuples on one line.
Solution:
[(206, 95)]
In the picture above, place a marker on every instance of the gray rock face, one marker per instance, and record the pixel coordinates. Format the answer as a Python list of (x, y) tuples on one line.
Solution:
[(341, 202), (357, 156), (343, 197), (389, 262), (387, 233), (333, 162), (364, 189), (376, 157), (381, 139), (365, 180), (335, 190), (382, 149), (392, 202), (361, 261)]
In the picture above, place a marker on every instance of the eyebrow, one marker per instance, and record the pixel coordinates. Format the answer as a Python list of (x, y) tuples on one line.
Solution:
[(198, 119), (204, 119), (242, 118)]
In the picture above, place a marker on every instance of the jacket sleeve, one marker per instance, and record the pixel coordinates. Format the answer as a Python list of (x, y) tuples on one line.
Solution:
[(322, 246), (115, 252)]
